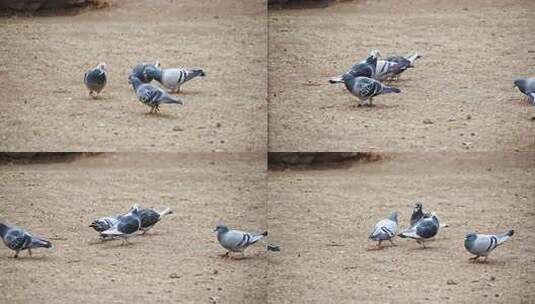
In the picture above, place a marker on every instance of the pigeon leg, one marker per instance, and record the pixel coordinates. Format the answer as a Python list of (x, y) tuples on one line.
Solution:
[(16, 254), (371, 102), (379, 243), (392, 242), (157, 108), (474, 258), (226, 255), (30, 251)]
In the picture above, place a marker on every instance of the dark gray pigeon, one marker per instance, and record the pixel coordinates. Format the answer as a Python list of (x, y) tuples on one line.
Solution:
[(149, 217), (365, 88), (173, 78), (404, 63), (483, 244), (151, 96), (425, 229), (140, 68), (235, 240), (366, 68), (18, 239), (526, 86), (95, 79), (127, 225)]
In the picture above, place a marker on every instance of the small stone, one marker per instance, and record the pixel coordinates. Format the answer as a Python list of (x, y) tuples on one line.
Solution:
[(174, 276), (468, 117), (428, 121), (218, 125), (451, 282), (215, 271), (176, 129), (532, 117), (213, 300), (492, 278), (497, 295)]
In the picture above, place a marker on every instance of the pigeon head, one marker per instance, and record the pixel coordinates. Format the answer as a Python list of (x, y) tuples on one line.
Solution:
[(134, 81), (3, 229), (394, 217), (221, 228), (518, 82), (417, 207), (375, 54), (103, 66), (470, 237)]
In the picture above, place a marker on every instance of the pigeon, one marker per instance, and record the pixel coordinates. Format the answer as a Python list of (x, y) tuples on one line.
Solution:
[(149, 217), (404, 63), (18, 239), (235, 240), (385, 229), (526, 86), (365, 68), (126, 226), (483, 244), (425, 229), (173, 78), (103, 224), (95, 79), (152, 96), (366, 88), (139, 71)]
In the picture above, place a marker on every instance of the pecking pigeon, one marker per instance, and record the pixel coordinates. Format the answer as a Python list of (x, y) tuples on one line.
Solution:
[(149, 217), (366, 68), (18, 239), (385, 229), (151, 95), (235, 240), (127, 225), (365, 88), (95, 79), (139, 71), (483, 244)]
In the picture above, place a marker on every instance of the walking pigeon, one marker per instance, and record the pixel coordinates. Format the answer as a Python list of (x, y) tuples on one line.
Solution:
[(526, 86), (139, 71), (483, 244), (385, 229), (365, 88), (365, 68), (235, 240), (173, 78), (151, 95), (95, 79), (126, 226), (18, 239), (425, 229), (149, 217)]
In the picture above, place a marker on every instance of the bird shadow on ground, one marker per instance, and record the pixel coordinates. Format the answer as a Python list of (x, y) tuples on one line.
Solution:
[(159, 115), (374, 107), (186, 93), (28, 258), (421, 248), (489, 262)]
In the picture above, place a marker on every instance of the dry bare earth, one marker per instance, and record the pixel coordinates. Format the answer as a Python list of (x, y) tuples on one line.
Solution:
[(323, 218), (46, 107), (177, 262), (472, 50)]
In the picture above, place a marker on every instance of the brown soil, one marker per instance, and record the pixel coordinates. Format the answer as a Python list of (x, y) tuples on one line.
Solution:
[(177, 262), (462, 86), (322, 219), (46, 106)]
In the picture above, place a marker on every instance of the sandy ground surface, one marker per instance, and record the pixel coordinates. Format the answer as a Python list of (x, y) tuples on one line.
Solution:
[(46, 107), (323, 218), (177, 262), (472, 50)]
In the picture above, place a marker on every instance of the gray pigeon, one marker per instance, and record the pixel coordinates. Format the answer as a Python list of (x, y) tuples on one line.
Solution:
[(526, 86), (365, 88), (149, 217), (366, 68), (235, 240), (173, 78), (95, 79), (151, 96), (139, 71), (18, 239), (483, 244), (404, 63), (385, 229), (425, 229), (127, 225), (103, 224)]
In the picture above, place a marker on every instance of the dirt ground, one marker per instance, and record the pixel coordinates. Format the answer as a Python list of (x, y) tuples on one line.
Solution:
[(177, 262), (323, 218), (47, 108), (463, 84)]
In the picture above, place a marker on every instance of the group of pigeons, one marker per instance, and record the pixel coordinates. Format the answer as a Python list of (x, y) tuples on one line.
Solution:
[(137, 221), (364, 79), (140, 78), (425, 226)]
